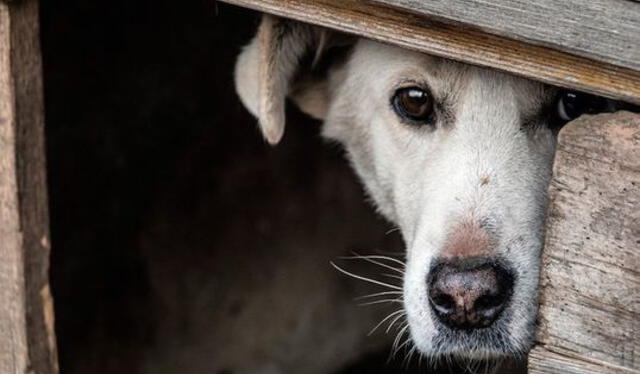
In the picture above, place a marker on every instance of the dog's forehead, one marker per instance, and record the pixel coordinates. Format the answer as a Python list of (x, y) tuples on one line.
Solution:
[(383, 68), (386, 66)]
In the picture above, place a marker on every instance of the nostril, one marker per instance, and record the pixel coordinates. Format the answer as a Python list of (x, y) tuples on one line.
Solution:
[(444, 304), (485, 302)]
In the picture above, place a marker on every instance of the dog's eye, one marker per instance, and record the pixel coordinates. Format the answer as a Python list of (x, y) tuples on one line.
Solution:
[(572, 104), (413, 103)]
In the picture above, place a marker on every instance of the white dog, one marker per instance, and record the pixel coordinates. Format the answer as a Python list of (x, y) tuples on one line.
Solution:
[(458, 157)]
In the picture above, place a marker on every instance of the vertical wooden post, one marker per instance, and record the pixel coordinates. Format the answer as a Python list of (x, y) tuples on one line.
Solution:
[(27, 338), (590, 281)]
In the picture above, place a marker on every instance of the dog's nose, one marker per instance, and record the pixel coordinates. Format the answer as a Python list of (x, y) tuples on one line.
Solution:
[(469, 295)]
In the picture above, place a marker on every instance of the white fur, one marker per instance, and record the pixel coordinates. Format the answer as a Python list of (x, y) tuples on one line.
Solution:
[(425, 179)]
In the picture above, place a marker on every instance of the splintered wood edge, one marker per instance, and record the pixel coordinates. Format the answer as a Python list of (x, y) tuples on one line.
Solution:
[(473, 46)]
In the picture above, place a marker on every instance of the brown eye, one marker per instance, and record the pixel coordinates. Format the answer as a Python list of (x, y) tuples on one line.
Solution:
[(413, 103)]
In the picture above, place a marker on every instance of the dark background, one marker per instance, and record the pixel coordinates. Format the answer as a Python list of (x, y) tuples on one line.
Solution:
[(182, 243), (161, 188)]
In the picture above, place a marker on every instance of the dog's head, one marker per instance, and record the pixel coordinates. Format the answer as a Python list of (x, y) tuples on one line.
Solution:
[(458, 157)]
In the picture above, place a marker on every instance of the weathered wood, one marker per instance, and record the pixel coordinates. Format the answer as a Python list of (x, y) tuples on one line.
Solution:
[(410, 30), (27, 340), (590, 281), (542, 361), (602, 30)]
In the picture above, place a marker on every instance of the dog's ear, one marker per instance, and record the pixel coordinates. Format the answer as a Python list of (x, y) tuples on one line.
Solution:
[(285, 59)]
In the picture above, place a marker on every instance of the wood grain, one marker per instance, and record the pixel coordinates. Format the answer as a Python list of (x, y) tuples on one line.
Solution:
[(13, 335), (590, 282), (406, 29), (542, 361), (27, 339), (602, 30)]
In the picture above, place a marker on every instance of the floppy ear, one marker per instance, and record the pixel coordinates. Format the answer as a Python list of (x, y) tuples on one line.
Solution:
[(269, 69)]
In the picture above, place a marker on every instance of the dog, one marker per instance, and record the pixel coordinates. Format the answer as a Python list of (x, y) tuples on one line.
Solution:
[(458, 157)]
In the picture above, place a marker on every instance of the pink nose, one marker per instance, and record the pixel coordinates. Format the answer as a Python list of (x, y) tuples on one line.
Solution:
[(469, 294), (467, 239)]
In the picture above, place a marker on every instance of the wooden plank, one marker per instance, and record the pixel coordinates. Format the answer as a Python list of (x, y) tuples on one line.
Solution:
[(542, 361), (390, 25), (590, 282), (602, 30), (13, 334), (27, 340)]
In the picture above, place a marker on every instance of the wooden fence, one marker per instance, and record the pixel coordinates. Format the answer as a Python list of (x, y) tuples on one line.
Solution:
[(590, 299), (27, 339)]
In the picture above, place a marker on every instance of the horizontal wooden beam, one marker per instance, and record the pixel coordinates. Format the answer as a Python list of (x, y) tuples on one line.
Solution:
[(602, 30), (407, 29)]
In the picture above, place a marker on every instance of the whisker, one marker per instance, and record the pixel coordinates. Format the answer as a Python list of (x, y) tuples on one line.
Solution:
[(468, 365), (404, 344), (401, 311), (392, 230), (379, 257), (372, 259), (396, 341), (393, 323), (399, 300), (365, 279), (392, 276), (407, 358), (379, 294)]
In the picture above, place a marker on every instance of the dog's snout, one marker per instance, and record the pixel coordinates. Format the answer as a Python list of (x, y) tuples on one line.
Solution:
[(469, 295)]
